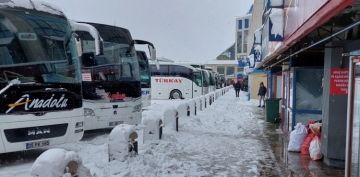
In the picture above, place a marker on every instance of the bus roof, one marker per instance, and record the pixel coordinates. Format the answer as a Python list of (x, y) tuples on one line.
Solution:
[(176, 64), (111, 33), (32, 5), (141, 55)]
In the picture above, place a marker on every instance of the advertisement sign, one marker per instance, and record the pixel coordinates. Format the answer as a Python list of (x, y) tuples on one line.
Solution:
[(304, 16), (339, 81), (298, 12)]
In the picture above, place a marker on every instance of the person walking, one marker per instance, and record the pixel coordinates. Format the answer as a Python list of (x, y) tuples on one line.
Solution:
[(237, 87), (262, 93)]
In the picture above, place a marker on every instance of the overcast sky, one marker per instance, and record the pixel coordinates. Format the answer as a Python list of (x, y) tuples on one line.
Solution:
[(182, 30)]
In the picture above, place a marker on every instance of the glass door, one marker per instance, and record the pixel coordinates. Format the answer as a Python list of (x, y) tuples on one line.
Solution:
[(355, 168)]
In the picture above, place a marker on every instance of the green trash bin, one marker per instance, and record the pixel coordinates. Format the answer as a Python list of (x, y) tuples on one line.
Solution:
[(272, 109)]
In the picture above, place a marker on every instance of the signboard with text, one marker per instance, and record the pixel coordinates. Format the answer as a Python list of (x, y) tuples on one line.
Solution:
[(339, 81)]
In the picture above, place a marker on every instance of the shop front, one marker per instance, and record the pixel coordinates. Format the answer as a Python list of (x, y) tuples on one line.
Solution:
[(353, 148)]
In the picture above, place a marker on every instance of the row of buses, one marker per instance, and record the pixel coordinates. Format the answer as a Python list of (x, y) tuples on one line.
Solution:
[(182, 81), (59, 78)]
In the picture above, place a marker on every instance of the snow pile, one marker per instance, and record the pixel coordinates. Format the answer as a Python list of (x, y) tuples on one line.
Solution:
[(182, 109), (153, 123), (120, 139), (277, 19), (170, 119), (192, 104), (54, 162)]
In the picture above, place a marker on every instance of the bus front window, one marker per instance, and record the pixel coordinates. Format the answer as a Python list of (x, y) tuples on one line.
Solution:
[(144, 73), (37, 47), (197, 79)]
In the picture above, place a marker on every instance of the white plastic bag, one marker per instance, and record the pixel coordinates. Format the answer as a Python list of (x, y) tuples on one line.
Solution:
[(315, 149), (297, 137)]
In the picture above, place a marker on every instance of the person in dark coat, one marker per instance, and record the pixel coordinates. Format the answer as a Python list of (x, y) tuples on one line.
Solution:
[(237, 87), (262, 93)]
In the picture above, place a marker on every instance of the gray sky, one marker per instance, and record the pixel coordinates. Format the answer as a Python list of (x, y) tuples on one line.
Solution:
[(182, 30)]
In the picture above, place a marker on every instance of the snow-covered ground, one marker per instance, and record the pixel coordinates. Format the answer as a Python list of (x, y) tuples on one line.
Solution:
[(226, 139)]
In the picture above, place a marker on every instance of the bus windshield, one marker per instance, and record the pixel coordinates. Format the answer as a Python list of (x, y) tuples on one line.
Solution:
[(36, 47), (197, 78), (117, 64), (206, 80), (144, 71)]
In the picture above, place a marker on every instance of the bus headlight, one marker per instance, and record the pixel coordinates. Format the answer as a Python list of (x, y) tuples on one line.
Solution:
[(79, 124), (137, 108), (88, 112)]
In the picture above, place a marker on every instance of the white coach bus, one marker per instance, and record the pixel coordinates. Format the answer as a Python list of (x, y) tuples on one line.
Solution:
[(145, 75), (175, 81), (111, 76), (40, 80)]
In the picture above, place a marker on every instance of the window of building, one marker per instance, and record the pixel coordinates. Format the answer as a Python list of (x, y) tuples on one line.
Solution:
[(239, 42), (180, 71), (246, 23), (230, 70), (246, 34), (240, 26), (221, 69)]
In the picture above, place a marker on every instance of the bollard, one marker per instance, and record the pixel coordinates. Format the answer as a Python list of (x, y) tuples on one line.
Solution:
[(205, 102), (201, 104), (177, 121), (195, 109), (188, 111), (170, 119), (210, 100), (122, 142), (152, 126), (161, 125), (59, 162)]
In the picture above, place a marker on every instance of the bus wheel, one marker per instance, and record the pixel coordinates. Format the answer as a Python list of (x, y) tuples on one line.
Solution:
[(175, 94)]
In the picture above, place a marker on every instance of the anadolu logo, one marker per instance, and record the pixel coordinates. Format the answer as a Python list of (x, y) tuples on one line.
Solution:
[(38, 103)]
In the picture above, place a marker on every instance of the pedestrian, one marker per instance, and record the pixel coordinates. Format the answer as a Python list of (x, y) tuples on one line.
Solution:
[(237, 87), (262, 93)]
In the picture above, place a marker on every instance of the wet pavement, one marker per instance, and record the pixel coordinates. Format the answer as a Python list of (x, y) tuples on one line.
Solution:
[(294, 164)]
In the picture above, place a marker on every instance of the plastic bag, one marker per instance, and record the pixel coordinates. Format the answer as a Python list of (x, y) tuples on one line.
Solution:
[(306, 144), (315, 149), (316, 128), (297, 137)]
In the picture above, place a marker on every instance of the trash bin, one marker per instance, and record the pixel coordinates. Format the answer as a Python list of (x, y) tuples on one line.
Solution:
[(272, 109)]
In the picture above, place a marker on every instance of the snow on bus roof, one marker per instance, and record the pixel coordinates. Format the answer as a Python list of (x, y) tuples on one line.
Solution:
[(32, 5)]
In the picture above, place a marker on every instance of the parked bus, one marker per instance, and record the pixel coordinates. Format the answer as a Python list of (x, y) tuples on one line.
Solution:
[(111, 78), (212, 80), (145, 74), (175, 81), (145, 78), (206, 81), (40, 81)]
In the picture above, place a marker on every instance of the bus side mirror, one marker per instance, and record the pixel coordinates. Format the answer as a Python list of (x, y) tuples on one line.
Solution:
[(153, 57)]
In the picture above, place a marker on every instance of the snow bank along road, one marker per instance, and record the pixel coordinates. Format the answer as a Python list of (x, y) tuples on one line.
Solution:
[(226, 139)]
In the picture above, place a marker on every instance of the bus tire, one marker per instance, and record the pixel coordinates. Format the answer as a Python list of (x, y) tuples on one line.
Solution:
[(175, 94)]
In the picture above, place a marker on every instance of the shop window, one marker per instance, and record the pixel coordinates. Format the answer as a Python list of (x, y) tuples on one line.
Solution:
[(246, 25), (230, 70), (240, 25), (221, 69), (246, 34), (308, 89), (239, 42)]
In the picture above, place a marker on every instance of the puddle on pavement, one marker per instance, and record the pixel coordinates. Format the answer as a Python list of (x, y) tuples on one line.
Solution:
[(294, 164)]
